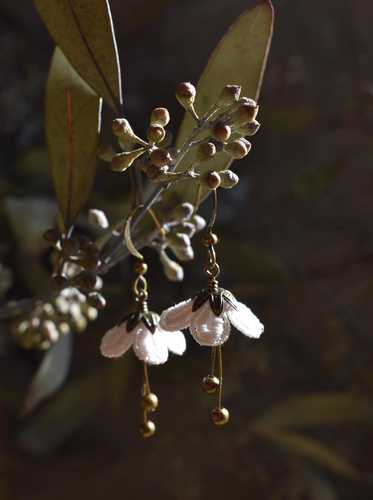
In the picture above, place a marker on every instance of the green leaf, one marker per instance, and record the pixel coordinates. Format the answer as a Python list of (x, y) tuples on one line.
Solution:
[(72, 121), (325, 408), (62, 416), (51, 374), (311, 449), (83, 29), (239, 59)]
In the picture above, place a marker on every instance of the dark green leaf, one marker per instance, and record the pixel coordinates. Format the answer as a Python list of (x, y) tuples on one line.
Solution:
[(72, 121), (83, 29)]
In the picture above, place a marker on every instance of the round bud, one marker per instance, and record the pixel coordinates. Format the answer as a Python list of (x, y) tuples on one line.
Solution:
[(51, 235), (160, 116), (71, 246), (250, 128), (91, 262), (93, 251), (156, 174), (185, 93), (178, 240), (205, 152), (59, 282), (210, 179), (155, 133), (228, 179), (219, 416), (183, 211), (63, 328), (88, 280), (238, 148), (140, 268), (122, 128), (84, 241), (183, 254), (91, 313), (49, 330), (210, 239), (149, 402), (199, 222), (146, 429), (210, 384), (229, 95), (160, 157), (188, 228), (220, 131), (244, 112), (105, 152), (96, 300)]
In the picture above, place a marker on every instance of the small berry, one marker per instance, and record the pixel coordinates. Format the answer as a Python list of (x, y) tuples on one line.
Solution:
[(71, 246), (220, 131), (160, 116), (155, 133), (160, 157), (59, 282), (205, 152)]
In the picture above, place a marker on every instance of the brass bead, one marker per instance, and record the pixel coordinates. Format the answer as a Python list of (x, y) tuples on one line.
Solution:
[(140, 268), (210, 384), (219, 416), (146, 429), (149, 402), (210, 239)]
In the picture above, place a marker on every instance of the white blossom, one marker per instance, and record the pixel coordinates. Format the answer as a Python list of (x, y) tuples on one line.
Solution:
[(206, 326), (150, 347)]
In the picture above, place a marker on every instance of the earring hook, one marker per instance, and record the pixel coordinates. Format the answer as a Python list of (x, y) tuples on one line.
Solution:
[(127, 234)]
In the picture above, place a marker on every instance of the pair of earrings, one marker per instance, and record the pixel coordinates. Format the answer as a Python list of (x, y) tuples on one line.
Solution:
[(209, 316)]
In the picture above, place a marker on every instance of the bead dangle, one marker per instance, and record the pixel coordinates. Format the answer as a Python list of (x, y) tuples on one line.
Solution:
[(141, 330), (209, 316)]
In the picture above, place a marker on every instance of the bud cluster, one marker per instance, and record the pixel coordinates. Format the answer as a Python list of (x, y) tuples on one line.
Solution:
[(70, 311)]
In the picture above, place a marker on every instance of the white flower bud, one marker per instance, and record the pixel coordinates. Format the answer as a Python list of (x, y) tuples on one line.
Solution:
[(228, 179), (122, 161), (172, 270), (97, 218)]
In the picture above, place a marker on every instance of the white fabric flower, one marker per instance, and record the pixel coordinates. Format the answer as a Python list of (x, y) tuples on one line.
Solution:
[(209, 317), (151, 347)]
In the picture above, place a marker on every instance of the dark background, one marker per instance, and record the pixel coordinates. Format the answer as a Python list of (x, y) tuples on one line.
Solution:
[(297, 247)]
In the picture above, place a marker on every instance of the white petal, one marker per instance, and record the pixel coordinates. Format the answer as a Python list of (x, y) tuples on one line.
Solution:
[(175, 341), (208, 329), (177, 317), (245, 321), (116, 341), (150, 347)]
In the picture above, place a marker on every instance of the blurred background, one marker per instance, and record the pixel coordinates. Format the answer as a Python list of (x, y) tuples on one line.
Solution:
[(296, 246)]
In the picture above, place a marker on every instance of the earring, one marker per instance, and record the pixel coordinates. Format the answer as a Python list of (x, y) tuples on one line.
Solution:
[(141, 330), (209, 316)]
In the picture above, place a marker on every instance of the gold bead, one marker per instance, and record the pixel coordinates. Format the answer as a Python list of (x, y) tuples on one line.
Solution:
[(210, 384), (140, 268), (210, 239), (149, 402), (219, 416), (146, 429)]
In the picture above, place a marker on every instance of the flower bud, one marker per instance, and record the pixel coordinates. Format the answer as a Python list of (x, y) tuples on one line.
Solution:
[(229, 95), (186, 94), (186, 227), (88, 280), (210, 179), (238, 148), (183, 254), (71, 246), (84, 241), (244, 112), (199, 222), (122, 161), (160, 157), (96, 300), (105, 152), (97, 218), (160, 116), (228, 179), (220, 131), (178, 240), (183, 211), (59, 282), (205, 152), (155, 133), (172, 270), (51, 235), (250, 128), (49, 330), (123, 130), (156, 174)]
